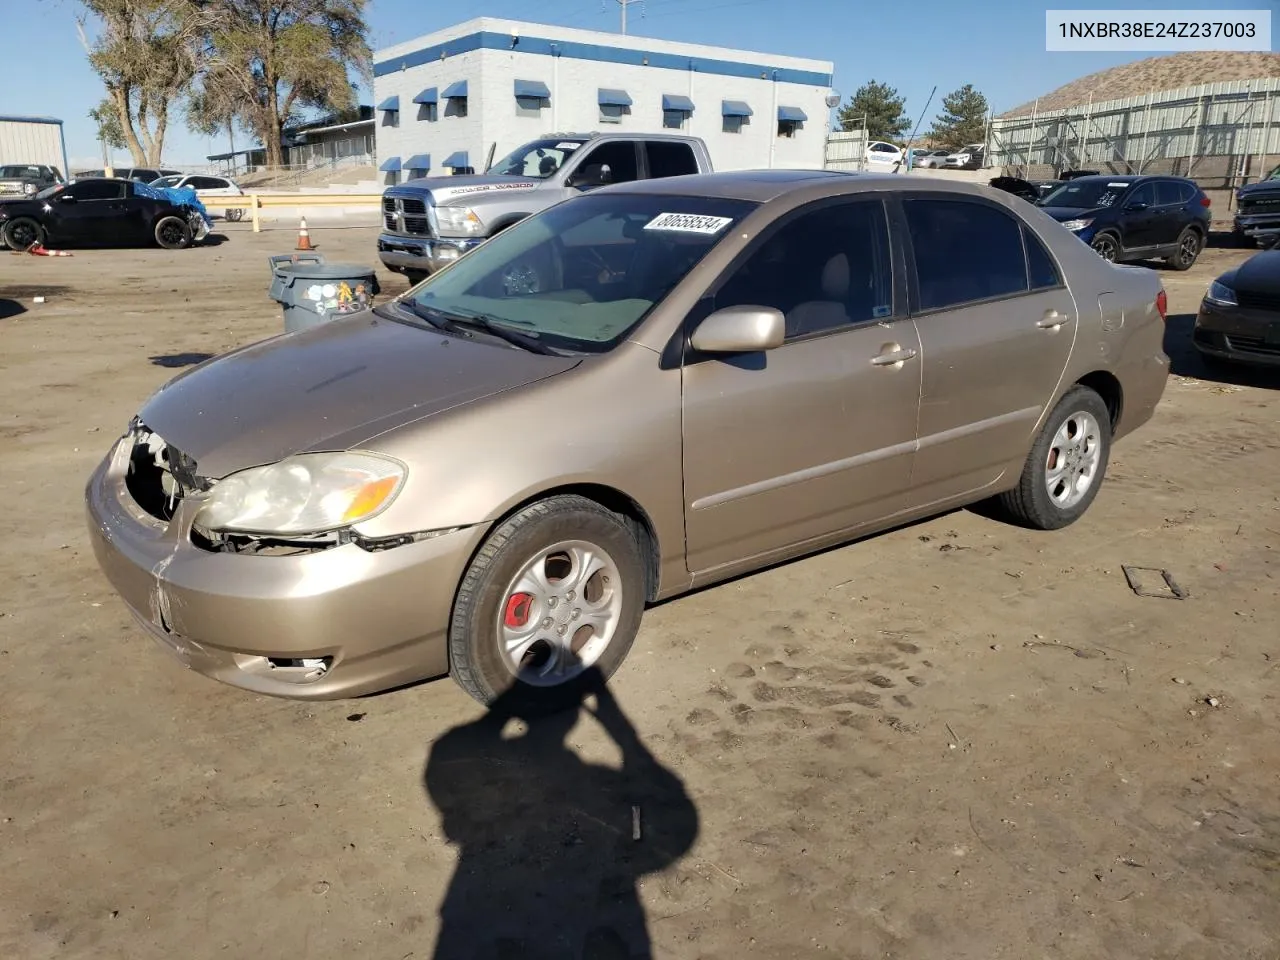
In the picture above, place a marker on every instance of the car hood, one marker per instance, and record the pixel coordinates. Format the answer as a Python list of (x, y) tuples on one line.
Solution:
[(1259, 274), (329, 387), (1264, 186), (447, 189), (1062, 214)]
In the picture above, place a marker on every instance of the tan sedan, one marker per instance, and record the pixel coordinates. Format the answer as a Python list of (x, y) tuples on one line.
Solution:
[(640, 391)]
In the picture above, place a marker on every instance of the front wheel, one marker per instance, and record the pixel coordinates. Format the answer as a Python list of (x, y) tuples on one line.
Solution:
[(1066, 464), (234, 214), (1189, 245), (173, 233), (552, 600), (1106, 246), (22, 233)]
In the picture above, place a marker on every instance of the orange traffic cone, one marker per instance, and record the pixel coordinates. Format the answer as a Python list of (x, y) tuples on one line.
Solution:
[(38, 249), (304, 239)]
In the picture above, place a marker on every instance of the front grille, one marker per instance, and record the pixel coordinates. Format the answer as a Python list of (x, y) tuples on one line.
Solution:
[(1253, 345), (159, 476), (1254, 205), (388, 205), (406, 215), (390, 220), (414, 206), (1258, 301), (416, 225), (10, 188)]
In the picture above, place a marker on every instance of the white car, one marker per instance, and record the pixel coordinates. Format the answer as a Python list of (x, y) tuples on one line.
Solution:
[(969, 157), (930, 159), (881, 153), (207, 188)]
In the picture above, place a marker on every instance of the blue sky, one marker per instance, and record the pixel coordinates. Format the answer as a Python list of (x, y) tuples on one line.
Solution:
[(997, 45)]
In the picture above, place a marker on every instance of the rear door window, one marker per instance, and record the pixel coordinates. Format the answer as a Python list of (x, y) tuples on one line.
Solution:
[(670, 158), (1169, 193), (964, 251), (619, 156)]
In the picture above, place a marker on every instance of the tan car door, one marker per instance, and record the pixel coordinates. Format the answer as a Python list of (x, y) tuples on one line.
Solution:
[(816, 436), (997, 325)]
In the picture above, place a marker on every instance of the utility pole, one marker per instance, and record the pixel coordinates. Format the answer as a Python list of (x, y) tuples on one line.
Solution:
[(624, 4)]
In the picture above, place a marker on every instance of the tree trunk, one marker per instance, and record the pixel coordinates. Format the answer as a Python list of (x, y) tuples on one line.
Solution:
[(271, 131), (162, 123), (120, 97)]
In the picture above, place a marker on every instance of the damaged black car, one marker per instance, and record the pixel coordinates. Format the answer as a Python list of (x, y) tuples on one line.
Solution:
[(103, 213)]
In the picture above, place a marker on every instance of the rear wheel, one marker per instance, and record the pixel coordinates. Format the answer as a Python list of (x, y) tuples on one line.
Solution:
[(552, 601), (235, 214), (1107, 246), (173, 233), (1189, 245), (1066, 464), (22, 233)]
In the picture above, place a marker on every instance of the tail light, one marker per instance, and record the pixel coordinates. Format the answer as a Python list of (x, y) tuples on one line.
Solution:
[(1204, 200), (1162, 304)]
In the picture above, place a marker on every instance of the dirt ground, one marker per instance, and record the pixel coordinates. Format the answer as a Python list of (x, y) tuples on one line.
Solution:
[(956, 740)]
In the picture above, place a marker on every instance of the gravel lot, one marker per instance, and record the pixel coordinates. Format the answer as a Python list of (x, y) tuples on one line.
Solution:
[(955, 740)]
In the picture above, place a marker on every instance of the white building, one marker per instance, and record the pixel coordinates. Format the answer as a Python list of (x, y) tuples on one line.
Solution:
[(445, 99), (33, 140)]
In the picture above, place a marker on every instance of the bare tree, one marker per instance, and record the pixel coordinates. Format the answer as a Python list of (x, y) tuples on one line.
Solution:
[(147, 53), (269, 60)]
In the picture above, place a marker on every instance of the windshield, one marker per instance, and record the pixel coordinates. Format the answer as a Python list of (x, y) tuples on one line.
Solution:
[(539, 159), (48, 192), (582, 274), (1087, 194), (20, 172)]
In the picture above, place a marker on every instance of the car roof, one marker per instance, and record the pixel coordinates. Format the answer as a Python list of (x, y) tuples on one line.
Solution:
[(765, 185)]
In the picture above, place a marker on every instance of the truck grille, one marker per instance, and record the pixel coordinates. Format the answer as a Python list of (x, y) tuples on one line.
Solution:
[(406, 215), (1253, 205), (1258, 301)]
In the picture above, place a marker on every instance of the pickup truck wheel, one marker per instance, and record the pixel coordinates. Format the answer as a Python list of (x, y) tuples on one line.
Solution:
[(22, 232), (414, 277), (173, 233), (553, 596)]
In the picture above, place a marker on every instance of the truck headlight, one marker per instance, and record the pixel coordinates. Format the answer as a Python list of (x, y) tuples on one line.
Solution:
[(307, 493), (29, 189), (459, 220)]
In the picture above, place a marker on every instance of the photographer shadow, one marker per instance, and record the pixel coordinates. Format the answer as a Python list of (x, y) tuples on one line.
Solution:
[(549, 861)]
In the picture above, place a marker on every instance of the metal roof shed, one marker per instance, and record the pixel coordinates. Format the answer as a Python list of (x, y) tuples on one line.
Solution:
[(33, 140)]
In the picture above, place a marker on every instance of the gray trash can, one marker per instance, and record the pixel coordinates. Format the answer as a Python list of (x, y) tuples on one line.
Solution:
[(312, 291)]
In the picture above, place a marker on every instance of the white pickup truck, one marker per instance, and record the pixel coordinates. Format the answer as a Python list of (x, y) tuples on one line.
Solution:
[(429, 223)]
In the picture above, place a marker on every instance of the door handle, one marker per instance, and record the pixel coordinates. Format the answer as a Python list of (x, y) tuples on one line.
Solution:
[(1052, 320), (893, 356)]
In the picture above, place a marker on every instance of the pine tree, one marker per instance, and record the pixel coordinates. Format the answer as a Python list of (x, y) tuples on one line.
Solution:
[(880, 104), (963, 120)]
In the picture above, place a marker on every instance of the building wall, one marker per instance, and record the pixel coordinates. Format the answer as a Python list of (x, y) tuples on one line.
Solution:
[(574, 64), (32, 140)]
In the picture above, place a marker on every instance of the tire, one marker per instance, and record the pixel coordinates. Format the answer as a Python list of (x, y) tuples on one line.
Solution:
[(21, 232), (1030, 503), (1107, 246), (173, 233), (491, 610), (1190, 243), (234, 214)]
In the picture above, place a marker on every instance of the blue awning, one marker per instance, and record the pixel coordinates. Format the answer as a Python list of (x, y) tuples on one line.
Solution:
[(613, 98), (426, 96), (734, 108), (671, 101), (792, 113), (455, 160), (419, 161), (391, 103), (456, 91), (533, 88), (390, 165)]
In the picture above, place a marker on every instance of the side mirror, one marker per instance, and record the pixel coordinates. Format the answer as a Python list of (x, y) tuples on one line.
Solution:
[(740, 330), (590, 175)]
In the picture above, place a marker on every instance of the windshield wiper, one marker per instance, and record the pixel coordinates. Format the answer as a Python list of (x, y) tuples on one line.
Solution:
[(437, 318), (502, 331)]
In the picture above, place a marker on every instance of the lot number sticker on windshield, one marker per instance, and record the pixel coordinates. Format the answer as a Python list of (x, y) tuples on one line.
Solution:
[(688, 223)]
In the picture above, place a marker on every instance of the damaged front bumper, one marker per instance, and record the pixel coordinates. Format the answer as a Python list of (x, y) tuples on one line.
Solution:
[(338, 622)]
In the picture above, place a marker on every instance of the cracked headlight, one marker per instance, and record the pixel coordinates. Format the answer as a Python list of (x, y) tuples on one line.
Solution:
[(459, 220), (308, 493)]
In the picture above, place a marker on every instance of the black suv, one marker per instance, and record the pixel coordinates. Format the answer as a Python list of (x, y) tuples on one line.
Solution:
[(1128, 218)]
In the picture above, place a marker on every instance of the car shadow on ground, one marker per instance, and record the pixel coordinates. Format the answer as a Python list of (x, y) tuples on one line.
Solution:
[(213, 240), (1186, 361), (174, 360), (551, 848), (10, 308)]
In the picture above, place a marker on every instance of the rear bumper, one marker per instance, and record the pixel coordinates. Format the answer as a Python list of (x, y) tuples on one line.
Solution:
[(377, 620), (421, 254), (1240, 335)]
